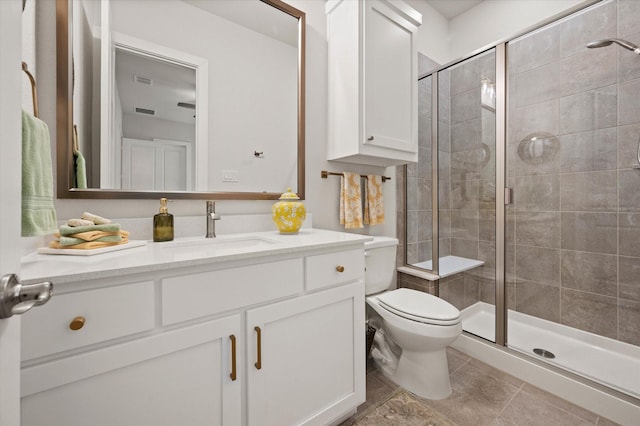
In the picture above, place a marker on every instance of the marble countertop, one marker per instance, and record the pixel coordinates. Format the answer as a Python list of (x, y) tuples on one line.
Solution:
[(180, 253)]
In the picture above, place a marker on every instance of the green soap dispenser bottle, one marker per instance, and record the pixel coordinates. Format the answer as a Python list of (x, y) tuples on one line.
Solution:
[(163, 223)]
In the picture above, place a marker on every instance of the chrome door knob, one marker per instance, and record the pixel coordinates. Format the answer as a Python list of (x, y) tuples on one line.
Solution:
[(16, 298)]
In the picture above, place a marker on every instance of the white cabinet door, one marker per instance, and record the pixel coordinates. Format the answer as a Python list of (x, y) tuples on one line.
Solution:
[(372, 82), (311, 358), (390, 74), (181, 377)]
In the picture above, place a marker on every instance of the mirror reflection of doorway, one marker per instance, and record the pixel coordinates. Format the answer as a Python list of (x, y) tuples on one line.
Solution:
[(155, 124)]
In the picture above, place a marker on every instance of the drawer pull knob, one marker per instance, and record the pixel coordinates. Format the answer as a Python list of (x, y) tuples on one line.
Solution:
[(258, 363), (77, 323), (340, 268), (233, 358)]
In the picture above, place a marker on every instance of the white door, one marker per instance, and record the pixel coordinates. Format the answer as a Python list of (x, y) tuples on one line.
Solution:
[(10, 178), (160, 164)]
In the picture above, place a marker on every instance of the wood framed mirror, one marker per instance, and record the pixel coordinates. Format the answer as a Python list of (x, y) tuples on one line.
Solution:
[(240, 86)]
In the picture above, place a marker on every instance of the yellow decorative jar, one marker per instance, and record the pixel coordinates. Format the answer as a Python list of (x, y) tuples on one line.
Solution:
[(289, 213)]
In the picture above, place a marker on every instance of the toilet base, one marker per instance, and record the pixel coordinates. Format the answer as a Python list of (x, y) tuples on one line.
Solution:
[(425, 374)]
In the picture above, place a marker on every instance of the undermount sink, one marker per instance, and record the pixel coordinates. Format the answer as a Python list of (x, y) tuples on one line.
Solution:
[(220, 244)]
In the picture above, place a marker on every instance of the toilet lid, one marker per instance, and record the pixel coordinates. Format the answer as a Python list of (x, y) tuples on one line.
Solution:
[(420, 306)]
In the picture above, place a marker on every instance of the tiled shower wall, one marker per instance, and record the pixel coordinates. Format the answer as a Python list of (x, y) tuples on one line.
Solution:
[(573, 232), (419, 179), (414, 233)]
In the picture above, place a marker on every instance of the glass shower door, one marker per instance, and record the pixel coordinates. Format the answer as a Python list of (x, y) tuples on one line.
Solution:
[(467, 196), (572, 251)]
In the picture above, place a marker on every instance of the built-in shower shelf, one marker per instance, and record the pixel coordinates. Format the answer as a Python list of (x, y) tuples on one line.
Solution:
[(448, 265)]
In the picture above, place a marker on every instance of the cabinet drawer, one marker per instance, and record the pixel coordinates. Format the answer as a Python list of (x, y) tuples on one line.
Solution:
[(192, 296), (331, 269), (107, 313)]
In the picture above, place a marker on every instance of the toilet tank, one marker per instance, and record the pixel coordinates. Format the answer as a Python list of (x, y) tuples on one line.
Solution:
[(380, 264)]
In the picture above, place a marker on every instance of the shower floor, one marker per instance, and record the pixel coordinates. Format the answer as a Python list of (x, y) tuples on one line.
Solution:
[(603, 360)]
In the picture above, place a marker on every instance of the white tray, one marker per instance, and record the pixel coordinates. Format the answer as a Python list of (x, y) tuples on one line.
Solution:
[(91, 252)]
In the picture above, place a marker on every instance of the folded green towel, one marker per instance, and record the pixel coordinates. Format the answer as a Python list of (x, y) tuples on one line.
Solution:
[(70, 230), (38, 211), (70, 241)]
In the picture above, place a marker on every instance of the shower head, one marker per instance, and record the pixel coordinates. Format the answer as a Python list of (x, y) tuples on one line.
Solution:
[(606, 42)]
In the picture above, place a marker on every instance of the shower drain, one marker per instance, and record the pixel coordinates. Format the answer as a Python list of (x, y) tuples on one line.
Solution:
[(544, 353)]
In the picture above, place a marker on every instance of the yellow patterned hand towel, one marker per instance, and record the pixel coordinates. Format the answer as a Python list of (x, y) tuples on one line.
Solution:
[(350, 201), (374, 204), (38, 212)]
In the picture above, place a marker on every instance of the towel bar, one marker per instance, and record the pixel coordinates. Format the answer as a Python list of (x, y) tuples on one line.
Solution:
[(34, 91), (325, 174)]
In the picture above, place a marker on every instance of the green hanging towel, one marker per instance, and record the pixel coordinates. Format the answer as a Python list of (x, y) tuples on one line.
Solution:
[(38, 211), (80, 163), (81, 171)]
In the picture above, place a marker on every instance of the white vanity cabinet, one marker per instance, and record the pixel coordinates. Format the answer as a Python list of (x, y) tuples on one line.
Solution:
[(179, 377), (372, 73), (271, 340)]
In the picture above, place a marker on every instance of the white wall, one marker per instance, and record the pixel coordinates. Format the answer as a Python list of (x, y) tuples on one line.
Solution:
[(28, 52), (433, 35)]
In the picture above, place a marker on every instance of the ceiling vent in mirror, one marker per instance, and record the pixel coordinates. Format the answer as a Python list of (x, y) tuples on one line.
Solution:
[(145, 111), (143, 80)]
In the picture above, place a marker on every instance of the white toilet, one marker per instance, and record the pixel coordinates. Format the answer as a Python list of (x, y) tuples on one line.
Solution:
[(416, 327)]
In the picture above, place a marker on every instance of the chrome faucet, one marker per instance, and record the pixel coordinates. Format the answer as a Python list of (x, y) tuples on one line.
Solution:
[(211, 219)]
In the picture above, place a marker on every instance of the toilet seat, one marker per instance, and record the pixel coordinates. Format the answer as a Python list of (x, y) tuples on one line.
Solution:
[(419, 306)]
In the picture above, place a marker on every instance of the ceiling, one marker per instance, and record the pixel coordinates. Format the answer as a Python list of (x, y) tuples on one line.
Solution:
[(168, 84), (452, 8), (254, 15)]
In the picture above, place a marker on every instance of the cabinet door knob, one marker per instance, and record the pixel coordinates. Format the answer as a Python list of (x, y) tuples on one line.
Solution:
[(233, 358), (258, 363), (77, 323), (340, 268), (370, 138)]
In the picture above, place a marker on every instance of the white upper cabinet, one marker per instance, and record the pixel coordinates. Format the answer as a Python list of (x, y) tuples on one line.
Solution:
[(373, 75)]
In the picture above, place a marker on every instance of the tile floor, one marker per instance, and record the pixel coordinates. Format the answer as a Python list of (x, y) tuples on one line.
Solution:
[(481, 395)]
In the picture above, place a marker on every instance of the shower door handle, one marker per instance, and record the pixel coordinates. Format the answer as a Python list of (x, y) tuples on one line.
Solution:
[(17, 298), (507, 196)]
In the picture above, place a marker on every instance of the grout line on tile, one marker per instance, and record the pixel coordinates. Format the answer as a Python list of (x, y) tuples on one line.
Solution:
[(520, 389)]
